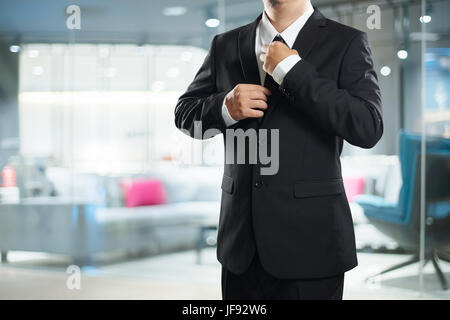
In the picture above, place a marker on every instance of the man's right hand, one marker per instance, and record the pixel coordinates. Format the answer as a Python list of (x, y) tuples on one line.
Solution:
[(247, 101)]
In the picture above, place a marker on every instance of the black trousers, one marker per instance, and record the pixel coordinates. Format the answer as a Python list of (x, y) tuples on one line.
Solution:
[(256, 284)]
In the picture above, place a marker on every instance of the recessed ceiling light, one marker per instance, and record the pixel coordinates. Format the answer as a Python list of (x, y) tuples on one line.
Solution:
[(174, 11), (402, 54), (212, 23), (14, 48), (425, 19), (385, 71)]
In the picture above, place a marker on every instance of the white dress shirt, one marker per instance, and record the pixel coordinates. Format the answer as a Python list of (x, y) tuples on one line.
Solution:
[(265, 33)]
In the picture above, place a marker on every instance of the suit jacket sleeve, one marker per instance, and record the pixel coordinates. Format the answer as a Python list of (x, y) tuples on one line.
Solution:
[(350, 108), (200, 107)]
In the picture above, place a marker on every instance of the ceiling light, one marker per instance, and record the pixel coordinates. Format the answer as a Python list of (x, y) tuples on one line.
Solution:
[(14, 48), (402, 54), (212, 23), (425, 19), (174, 11), (423, 36), (385, 71)]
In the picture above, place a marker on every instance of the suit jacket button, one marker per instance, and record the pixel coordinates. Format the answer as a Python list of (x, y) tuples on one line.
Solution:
[(258, 184)]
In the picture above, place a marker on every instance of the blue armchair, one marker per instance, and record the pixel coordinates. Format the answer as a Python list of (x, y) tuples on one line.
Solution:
[(401, 220)]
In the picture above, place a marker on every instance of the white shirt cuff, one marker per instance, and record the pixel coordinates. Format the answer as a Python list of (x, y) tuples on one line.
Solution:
[(226, 115), (284, 67)]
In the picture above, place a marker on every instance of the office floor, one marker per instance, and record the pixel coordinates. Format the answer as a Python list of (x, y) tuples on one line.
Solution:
[(177, 276)]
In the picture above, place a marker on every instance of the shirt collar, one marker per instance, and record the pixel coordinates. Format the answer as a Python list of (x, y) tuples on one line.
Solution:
[(268, 32)]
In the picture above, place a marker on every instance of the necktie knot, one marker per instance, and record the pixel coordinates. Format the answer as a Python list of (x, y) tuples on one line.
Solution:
[(279, 38)]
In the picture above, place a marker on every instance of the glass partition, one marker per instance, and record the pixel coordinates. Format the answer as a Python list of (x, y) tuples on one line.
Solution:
[(435, 148)]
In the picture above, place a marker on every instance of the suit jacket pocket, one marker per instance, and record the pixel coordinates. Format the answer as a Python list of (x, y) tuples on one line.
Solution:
[(227, 184), (307, 189)]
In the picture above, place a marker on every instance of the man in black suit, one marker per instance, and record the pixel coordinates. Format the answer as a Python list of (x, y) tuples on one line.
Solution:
[(287, 235)]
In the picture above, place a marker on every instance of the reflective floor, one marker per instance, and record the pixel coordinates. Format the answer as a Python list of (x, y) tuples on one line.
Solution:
[(177, 276)]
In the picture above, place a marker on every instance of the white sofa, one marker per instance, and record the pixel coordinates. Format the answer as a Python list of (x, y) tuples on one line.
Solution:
[(87, 218)]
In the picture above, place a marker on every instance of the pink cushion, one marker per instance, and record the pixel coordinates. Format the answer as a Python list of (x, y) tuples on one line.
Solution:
[(143, 192), (353, 187)]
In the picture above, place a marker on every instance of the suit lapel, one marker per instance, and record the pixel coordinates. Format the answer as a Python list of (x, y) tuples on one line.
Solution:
[(308, 35), (247, 56), (303, 44)]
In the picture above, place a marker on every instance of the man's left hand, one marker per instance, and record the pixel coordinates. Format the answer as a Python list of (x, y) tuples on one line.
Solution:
[(273, 54)]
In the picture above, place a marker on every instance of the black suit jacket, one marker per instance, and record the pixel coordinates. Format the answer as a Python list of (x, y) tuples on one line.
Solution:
[(299, 219)]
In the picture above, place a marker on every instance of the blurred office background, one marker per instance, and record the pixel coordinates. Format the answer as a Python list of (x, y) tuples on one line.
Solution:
[(95, 174)]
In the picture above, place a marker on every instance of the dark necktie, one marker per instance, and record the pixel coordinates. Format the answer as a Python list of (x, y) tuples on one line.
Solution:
[(269, 83)]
